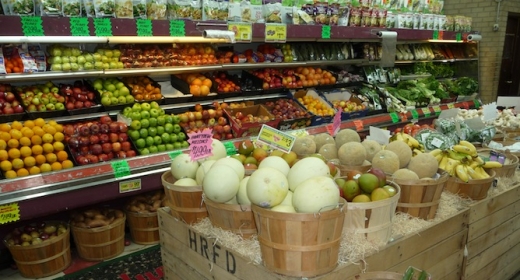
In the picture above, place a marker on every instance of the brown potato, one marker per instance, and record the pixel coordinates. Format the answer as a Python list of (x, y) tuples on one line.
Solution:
[(97, 223)]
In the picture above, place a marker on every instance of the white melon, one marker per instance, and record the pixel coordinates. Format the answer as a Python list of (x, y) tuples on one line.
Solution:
[(233, 163), (220, 183), (277, 163), (306, 168), (202, 170), (186, 182), (284, 208), (315, 195), (183, 167), (218, 151), (242, 198), (267, 187)]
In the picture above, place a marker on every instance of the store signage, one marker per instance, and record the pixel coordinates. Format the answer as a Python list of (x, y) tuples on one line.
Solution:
[(325, 31), (299, 133), (121, 168), (200, 144), (243, 31), (359, 125), (32, 26), (437, 109), (177, 28), (102, 27), (275, 32), (395, 117), (415, 115), (144, 27), (477, 103), (426, 111), (79, 26), (174, 154), (451, 105), (129, 186), (9, 213), (458, 37), (230, 148), (276, 138)]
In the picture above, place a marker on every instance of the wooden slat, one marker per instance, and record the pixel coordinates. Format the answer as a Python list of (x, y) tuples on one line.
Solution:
[(503, 267), (486, 240), (484, 208), (495, 219), (176, 269), (443, 267)]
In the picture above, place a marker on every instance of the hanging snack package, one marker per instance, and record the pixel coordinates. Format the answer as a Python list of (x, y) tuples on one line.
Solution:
[(156, 9), (210, 11), (343, 13), (139, 9), (38, 54), (333, 11), (104, 8), (273, 11), (23, 8), (88, 7), (321, 9), (72, 8), (51, 8), (234, 12), (196, 9), (180, 9), (252, 11), (223, 10), (382, 17), (286, 11), (366, 14), (3, 70), (124, 9), (355, 17)]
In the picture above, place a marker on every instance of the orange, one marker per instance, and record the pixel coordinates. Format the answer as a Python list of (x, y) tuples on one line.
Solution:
[(47, 138), (58, 136), (16, 134), (195, 90), (6, 165), (45, 168), (5, 127), (48, 148), (52, 122), (51, 157), (207, 82), (25, 141), (37, 150), (62, 155), (16, 125), (27, 132), (36, 140), (34, 170), (58, 146), (29, 124), (49, 129), (29, 161), (204, 90), (13, 143), (56, 166), (67, 164), (5, 136), (190, 78), (10, 174), (38, 131), (22, 172), (196, 82), (14, 153), (39, 122), (40, 159), (17, 163), (3, 144), (58, 127), (25, 151), (3, 155)]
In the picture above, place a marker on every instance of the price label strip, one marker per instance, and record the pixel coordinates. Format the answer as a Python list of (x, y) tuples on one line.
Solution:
[(79, 26), (451, 105), (129, 186), (435, 35), (415, 115), (103, 27), (299, 133), (477, 103), (426, 111), (230, 148), (325, 32), (177, 28), (200, 144), (441, 35), (243, 31), (121, 168), (437, 109), (9, 213), (144, 27), (174, 154), (404, 117), (359, 125), (275, 32), (465, 105), (395, 117), (276, 138), (458, 37), (32, 26)]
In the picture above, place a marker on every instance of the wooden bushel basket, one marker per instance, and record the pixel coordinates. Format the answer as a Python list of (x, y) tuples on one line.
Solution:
[(374, 219), (420, 198), (507, 170), (101, 243), (45, 259), (185, 203), (238, 219), (144, 227), (300, 244), (344, 169), (474, 189)]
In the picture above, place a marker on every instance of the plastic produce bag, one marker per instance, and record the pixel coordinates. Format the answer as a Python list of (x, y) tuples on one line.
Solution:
[(72, 8), (179, 9), (88, 7), (156, 9), (124, 9), (139, 8), (51, 7), (23, 8), (104, 8)]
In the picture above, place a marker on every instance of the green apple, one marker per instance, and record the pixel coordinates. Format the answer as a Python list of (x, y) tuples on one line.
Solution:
[(106, 101), (127, 111), (59, 106), (114, 100), (177, 145), (161, 120), (166, 137), (168, 128), (50, 107), (153, 149), (145, 123), (121, 99), (181, 136), (185, 144), (144, 151), (134, 134), (140, 143), (176, 119), (98, 65), (130, 99), (135, 115), (177, 128), (160, 130), (145, 106), (161, 148), (169, 147), (149, 141), (154, 112), (136, 107), (56, 67), (174, 138), (73, 59), (143, 132), (65, 59), (135, 125), (153, 122), (124, 91), (157, 140), (145, 114), (154, 105), (152, 131)]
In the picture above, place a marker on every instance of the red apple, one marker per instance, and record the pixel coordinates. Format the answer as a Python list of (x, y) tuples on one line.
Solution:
[(130, 153), (96, 149), (114, 127), (102, 157), (114, 137), (105, 119), (126, 146), (106, 147), (222, 121), (116, 147), (123, 137), (103, 138), (121, 154)]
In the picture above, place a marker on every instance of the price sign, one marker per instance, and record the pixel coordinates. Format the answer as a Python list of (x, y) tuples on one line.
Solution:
[(435, 35), (177, 28), (243, 31), (129, 186), (458, 37), (103, 27), (465, 105), (121, 168), (325, 32), (174, 154), (32, 26), (230, 148), (359, 125), (275, 32), (415, 115), (477, 103), (404, 116), (144, 27), (200, 144), (9, 213), (451, 105), (79, 26), (276, 138), (426, 111), (437, 109), (441, 35), (336, 123), (299, 133), (395, 117)]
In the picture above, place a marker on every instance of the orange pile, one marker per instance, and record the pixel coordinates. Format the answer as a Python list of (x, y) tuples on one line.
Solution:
[(316, 106), (143, 89), (315, 76), (199, 84), (13, 64)]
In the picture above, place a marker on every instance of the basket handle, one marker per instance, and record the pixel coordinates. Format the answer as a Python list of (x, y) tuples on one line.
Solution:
[(340, 205)]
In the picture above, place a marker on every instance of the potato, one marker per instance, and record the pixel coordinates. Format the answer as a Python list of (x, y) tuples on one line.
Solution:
[(97, 223)]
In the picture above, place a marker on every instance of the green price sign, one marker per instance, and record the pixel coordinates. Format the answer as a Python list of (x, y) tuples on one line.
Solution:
[(230, 148), (458, 37), (103, 27), (395, 117), (415, 115), (79, 26), (426, 111), (477, 103), (144, 27), (174, 154), (121, 168), (325, 32), (177, 28), (32, 26)]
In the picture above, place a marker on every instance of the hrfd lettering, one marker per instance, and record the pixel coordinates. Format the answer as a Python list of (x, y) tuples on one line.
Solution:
[(207, 251)]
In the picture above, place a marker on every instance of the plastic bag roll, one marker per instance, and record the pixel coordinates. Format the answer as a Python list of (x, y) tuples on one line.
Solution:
[(388, 43), (220, 34)]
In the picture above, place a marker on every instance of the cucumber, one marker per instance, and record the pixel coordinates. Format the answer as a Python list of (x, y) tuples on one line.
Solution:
[(423, 275), (409, 273)]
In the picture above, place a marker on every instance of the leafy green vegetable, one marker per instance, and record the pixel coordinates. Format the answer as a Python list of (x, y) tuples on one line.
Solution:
[(466, 86)]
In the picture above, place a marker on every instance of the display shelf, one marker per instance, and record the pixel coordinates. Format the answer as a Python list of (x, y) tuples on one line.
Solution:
[(23, 77), (436, 60)]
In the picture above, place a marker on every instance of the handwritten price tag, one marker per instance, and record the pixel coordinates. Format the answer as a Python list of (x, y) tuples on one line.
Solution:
[(144, 27), (276, 138), (129, 186), (395, 117), (32, 26), (121, 168), (325, 32), (200, 144), (243, 31), (103, 27), (177, 28), (275, 32), (426, 111), (9, 213), (230, 148), (79, 26), (359, 125)]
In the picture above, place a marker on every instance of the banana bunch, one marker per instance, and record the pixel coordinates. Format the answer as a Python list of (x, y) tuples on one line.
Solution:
[(463, 162), (417, 148)]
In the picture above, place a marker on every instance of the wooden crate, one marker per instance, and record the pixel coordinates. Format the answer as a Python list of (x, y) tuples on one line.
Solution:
[(188, 254), (494, 237)]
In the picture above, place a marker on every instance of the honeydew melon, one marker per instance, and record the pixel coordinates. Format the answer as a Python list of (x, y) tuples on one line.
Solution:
[(304, 169), (277, 163), (315, 195), (267, 187), (183, 167), (220, 184)]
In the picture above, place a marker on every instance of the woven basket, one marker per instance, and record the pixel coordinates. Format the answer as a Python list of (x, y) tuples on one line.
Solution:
[(100, 243), (185, 203), (474, 189), (238, 219), (144, 227)]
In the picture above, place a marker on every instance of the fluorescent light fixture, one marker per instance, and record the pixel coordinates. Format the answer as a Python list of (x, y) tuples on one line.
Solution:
[(51, 39), (444, 41), (163, 40)]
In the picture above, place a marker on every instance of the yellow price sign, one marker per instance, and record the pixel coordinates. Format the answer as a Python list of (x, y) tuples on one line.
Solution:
[(451, 105), (299, 133), (129, 186), (275, 32), (9, 213), (243, 31), (276, 138)]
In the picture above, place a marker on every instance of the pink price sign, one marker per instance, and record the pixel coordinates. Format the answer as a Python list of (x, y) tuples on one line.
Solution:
[(336, 123), (200, 144)]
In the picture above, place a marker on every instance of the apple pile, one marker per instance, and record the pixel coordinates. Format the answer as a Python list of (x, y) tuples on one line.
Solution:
[(143, 88), (348, 105), (33, 234), (73, 59), (148, 55), (98, 141), (113, 92), (271, 78), (241, 118), (224, 84), (152, 130), (78, 95), (8, 103), (211, 118), (286, 109), (41, 98), (365, 187)]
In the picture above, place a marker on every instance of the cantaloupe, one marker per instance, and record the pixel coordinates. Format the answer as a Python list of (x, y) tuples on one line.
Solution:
[(352, 154), (233, 163), (345, 136), (275, 162), (183, 167), (316, 194), (202, 170), (402, 150), (425, 165), (387, 161), (306, 168), (267, 187), (405, 174), (220, 184), (322, 139), (371, 147), (329, 151), (304, 146)]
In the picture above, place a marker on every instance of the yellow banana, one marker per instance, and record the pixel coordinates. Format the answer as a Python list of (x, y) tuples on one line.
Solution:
[(479, 160), (456, 155), (474, 164), (443, 162), (439, 157), (461, 173), (470, 146), (416, 151), (473, 174), (492, 164), (461, 149), (451, 165), (435, 152), (399, 137), (414, 142), (482, 172)]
